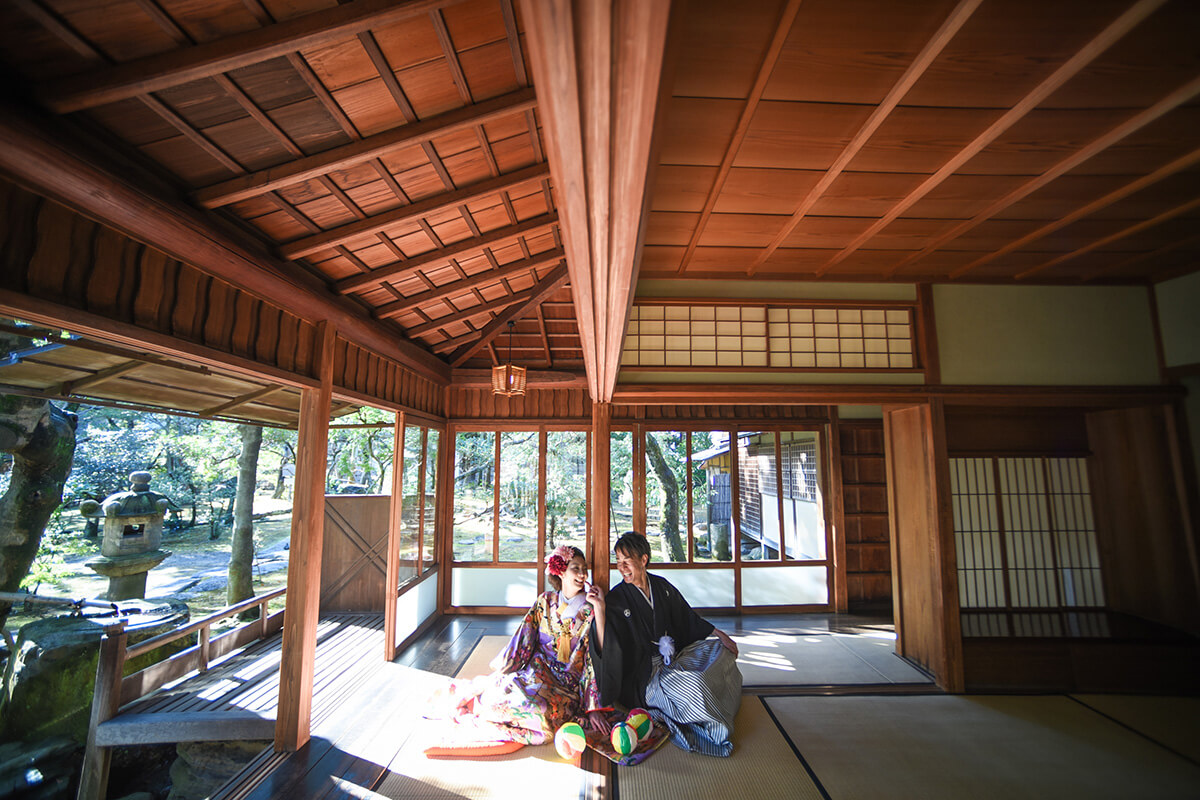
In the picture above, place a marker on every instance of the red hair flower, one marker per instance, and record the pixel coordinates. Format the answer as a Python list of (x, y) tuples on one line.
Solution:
[(556, 562)]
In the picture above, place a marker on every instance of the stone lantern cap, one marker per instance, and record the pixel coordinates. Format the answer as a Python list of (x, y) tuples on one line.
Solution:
[(139, 501)]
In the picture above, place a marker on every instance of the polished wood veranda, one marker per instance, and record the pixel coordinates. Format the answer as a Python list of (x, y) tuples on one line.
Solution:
[(239, 697)]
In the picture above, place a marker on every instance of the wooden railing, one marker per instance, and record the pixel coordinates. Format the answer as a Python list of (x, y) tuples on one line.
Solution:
[(114, 691)]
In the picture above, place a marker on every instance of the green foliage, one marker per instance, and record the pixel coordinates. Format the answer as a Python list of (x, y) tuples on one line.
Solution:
[(361, 456)]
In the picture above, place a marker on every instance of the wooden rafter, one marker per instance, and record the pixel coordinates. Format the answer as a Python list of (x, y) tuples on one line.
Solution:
[(76, 386), (467, 313), (403, 269), (158, 72), (1089, 52), (241, 400), (439, 293), (541, 316), (953, 23), (1178, 165), (363, 150), (410, 213), (597, 68), (36, 154), (1190, 241), (1138, 121), (1124, 233), (545, 287), (782, 28)]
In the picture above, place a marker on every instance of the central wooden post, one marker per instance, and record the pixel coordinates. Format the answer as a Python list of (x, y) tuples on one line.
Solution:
[(293, 722), (601, 480)]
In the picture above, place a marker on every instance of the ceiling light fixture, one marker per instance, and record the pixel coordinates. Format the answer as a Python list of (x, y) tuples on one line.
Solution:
[(507, 379)]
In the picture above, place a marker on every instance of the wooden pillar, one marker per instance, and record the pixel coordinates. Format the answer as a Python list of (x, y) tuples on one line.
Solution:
[(837, 517), (601, 480), (392, 557), (293, 723), (106, 700)]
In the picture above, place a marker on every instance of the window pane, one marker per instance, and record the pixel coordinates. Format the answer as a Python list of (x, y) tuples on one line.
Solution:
[(803, 498), (474, 495), (410, 504), (518, 496), (566, 489), (666, 495), (712, 497), (758, 497), (429, 541), (620, 471)]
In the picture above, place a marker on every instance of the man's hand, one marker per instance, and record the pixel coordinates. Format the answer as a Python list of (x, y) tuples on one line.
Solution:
[(595, 596), (729, 644)]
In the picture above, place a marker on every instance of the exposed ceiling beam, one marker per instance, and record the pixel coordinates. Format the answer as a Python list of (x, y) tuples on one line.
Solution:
[(37, 155), (954, 22), (545, 287), (1190, 241), (1089, 52), (362, 150), (783, 27), (1138, 121), (1124, 233), (162, 71), (411, 213), (68, 388), (237, 402), (466, 284), (467, 313), (1178, 165), (597, 68), (403, 269)]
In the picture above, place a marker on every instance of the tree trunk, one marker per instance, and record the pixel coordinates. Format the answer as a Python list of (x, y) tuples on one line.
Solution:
[(666, 477), (41, 439), (241, 556)]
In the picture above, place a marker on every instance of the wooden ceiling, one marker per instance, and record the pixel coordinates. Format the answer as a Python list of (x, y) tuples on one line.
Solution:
[(978, 140), (399, 152), (392, 149)]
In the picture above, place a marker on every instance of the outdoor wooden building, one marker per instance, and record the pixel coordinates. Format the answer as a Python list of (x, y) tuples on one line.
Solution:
[(911, 287)]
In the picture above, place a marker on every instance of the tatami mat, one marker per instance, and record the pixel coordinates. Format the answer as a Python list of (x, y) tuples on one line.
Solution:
[(781, 659), (478, 662), (947, 747), (762, 767), (1171, 721)]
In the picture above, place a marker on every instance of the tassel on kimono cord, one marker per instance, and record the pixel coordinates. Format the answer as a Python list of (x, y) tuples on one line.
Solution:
[(666, 648)]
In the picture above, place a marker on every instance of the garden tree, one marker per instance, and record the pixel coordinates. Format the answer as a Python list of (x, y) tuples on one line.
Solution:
[(360, 455), (566, 479), (241, 555), (41, 439), (669, 484), (280, 443)]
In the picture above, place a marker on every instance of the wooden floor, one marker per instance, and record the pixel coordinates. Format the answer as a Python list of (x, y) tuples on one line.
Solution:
[(352, 748), (238, 698)]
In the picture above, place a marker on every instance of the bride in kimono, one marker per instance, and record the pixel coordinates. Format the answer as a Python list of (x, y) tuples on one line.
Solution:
[(544, 677)]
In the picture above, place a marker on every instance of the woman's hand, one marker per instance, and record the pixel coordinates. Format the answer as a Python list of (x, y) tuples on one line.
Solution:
[(595, 597), (597, 721)]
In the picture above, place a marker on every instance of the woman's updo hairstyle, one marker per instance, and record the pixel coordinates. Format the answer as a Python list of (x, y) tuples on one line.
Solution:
[(556, 563)]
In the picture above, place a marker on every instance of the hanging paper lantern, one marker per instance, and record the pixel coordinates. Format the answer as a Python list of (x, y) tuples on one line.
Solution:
[(639, 720), (570, 740), (624, 738)]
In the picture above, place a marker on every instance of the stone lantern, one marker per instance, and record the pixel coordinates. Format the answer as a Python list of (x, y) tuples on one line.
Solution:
[(129, 545)]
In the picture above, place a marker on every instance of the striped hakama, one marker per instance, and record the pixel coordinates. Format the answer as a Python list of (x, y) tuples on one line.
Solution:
[(697, 697)]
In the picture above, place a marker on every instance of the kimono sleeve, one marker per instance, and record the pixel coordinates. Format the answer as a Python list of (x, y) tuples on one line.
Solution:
[(524, 642), (607, 665)]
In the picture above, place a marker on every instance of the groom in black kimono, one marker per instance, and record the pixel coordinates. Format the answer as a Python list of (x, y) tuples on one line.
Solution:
[(637, 613)]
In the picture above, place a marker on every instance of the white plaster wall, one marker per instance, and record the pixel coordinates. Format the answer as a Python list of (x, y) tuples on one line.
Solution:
[(1179, 318), (1045, 335)]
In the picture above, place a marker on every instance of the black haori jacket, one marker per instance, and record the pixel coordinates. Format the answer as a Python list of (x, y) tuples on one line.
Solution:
[(631, 632)]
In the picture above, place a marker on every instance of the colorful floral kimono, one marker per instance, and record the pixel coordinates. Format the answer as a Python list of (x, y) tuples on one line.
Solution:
[(543, 677)]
